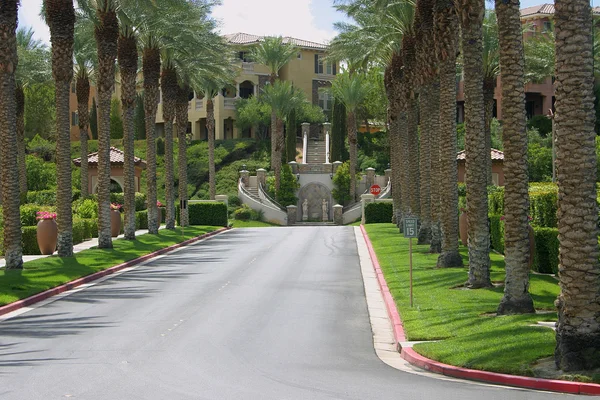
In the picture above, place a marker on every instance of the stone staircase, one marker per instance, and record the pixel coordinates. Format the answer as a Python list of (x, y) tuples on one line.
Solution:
[(253, 192), (316, 152)]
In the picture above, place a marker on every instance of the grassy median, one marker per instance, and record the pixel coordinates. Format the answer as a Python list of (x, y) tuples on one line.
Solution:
[(49, 272), (462, 322)]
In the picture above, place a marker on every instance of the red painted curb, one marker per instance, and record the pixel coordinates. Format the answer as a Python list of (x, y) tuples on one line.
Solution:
[(434, 366), (97, 275)]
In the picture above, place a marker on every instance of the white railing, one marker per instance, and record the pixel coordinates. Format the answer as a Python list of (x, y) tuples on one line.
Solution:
[(327, 148), (304, 148), (271, 214), (229, 103), (199, 104)]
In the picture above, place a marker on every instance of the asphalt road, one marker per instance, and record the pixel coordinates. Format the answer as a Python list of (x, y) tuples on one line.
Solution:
[(271, 313)]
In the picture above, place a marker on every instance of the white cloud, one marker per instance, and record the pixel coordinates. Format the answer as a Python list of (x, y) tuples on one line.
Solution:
[(29, 15), (271, 17)]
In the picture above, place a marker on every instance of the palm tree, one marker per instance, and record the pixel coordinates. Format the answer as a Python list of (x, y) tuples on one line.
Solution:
[(13, 249), (491, 70), (577, 329), (83, 48), (60, 16), (352, 91), (181, 111), (274, 53), (169, 87), (516, 197), (127, 55), (446, 42), (471, 13), (210, 90)]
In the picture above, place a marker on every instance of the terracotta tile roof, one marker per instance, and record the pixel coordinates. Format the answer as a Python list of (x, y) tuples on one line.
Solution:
[(246, 38), (545, 9), (116, 157), (497, 155)]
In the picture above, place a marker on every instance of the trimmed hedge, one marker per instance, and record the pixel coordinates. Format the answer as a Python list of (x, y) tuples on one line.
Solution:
[(543, 203), (545, 259), (496, 201), (497, 233), (206, 213), (378, 213), (29, 213), (47, 197), (140, 200), (141, 220), (29, 238)]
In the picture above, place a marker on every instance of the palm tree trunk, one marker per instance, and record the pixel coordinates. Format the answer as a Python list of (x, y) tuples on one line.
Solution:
[(210, 115), (425, 164), (128, 57), (60, 15), (488, 104), (83, 95), (578, 327), (412, 132), (446, 36), (169, 87), (13, 250), (516, 298), (353, 155), (182, 119), (106, 38), (279, 146), (275, 157), (471, 17), (20, 95), (151, 71), (435, 175)]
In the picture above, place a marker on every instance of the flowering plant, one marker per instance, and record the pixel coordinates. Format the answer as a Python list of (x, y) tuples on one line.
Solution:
[(116, 207), (159, 204), (463, 210), (42, 215)]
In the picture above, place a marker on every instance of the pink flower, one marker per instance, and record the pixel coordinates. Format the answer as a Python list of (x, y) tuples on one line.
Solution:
[(42, 215), (159, 204), (502, 218), (116, 206)]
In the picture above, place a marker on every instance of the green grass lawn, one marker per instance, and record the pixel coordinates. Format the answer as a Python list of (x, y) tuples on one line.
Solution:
[(463, 321), (251, 224), (49, 272)]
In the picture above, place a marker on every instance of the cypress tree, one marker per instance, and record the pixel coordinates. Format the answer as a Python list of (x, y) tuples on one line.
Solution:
[(338, 132), (139, 118), (94, 120), (290, 136)]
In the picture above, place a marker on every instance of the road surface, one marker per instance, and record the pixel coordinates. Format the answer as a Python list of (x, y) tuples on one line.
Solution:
[(270, 313)]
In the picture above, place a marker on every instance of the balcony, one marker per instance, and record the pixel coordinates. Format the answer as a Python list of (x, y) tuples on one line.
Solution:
[(199, 104), (229, 103)]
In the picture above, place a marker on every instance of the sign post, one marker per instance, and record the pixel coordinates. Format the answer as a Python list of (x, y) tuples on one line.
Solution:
[(375, 189), (410, 232)]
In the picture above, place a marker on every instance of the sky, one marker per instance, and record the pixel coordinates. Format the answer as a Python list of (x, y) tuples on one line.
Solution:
[(303, 19)]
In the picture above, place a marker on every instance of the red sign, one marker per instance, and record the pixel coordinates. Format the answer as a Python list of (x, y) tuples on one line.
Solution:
[(375, 189)]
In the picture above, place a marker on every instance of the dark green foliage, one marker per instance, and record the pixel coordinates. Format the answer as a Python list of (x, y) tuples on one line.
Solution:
[(286, 196), (78, 231), (378, 212), (29, 238), (462, 189), (40, 175), (542, 208), (497, 233), (244, 213), (94, 120), (116, 122), (290, 137), (140, 200), (139, 124), (141, 219), (373, 151), (40, 109), (163, 214), (86, 208), (341, 181), (546, 250), (42, 197), (539, 163), (542, 123), (42, 148), (338, 133), (160, 146), (206, 213), (29, 213), (496, 201)]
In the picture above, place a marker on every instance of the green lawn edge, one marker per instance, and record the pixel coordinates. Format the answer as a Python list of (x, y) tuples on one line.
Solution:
[(49, 272), (461, 324), (251, 224)]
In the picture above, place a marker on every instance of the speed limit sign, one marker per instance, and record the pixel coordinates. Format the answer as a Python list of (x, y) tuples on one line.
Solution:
[(410, 227)]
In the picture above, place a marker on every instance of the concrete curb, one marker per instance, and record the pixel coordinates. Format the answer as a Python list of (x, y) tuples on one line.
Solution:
[(97, 275), (449, 370)]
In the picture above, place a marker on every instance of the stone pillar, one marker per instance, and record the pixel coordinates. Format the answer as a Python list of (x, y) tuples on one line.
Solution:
[(305, 132), (365, 199), (370, 177), (336, 165), (338, 217), (388, 175), (326, 133), (291, 215), (223, 198), (294, 166), (261, 175), (245, 175)]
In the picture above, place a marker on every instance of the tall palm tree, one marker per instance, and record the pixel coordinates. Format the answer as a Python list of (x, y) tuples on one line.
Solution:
[(446, 42), (210, 89), (85, 59), (274, 53), (13, 249), (60, 16), (491, 70), (578, 327), (471, 13), (181, 111), (351, 89), (169, 87), (127, 54)]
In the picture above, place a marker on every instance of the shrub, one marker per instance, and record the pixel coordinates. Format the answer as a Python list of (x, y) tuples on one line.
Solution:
[(341, 181), (545, 259), (78, 231), (244, 213), (206, 213), (378, 212), (141, 219), (90, 228), (42, 197), (29, 213), (86, 208), (140, 200), (42, 148), (286, 195), (40, 175), (542, 123), (497, 233), (496, 201), (543, 206), (462, 189), (29, 240), (160, 146)]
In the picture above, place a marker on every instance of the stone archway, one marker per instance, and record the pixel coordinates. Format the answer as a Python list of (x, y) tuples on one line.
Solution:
[(314, 193)]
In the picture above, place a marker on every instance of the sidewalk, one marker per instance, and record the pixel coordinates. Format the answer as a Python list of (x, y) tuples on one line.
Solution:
[(86, 244)]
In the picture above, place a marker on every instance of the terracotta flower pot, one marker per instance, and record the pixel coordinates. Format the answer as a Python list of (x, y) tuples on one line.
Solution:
[(47, 236), (463, 228), (115, 223)]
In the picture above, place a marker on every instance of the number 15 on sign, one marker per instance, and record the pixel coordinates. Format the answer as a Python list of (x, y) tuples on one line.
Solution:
[(410, 232)]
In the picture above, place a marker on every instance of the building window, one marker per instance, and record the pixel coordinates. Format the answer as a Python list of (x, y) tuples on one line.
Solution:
[(324, 67), (74, 119), (325, 100), (547, 27), (299, 56)]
